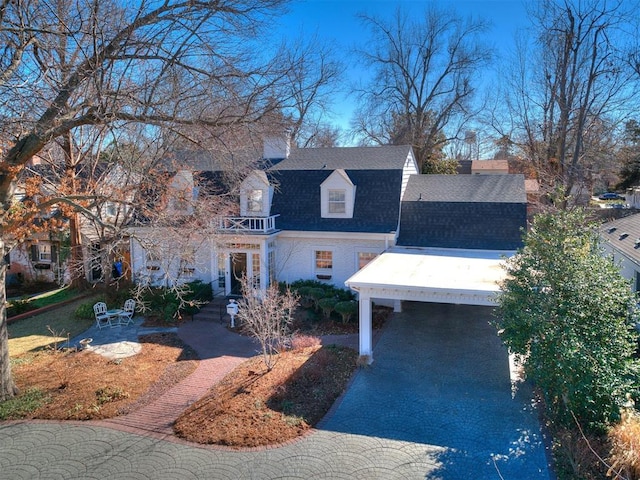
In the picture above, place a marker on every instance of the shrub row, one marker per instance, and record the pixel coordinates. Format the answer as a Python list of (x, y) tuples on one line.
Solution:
[(325, 298)]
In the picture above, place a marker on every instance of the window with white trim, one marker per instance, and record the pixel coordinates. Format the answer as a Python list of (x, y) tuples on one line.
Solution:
[(187, 262), (152, 260), (337, 201), (254, 201), (44, 252), (337, 195), (364, 258), (324, 263)]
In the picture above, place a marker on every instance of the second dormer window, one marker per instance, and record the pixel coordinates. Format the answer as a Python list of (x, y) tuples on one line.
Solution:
[(254, 201), (337, 201)]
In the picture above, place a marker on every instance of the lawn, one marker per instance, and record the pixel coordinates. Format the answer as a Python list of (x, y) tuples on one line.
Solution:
[(53, 327)]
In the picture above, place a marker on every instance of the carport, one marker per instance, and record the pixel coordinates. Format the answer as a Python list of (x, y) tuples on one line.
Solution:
[(465, 277)]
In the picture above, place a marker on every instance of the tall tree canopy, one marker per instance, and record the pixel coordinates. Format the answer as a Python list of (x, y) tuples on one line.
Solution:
[(425, 76), (569, 90)]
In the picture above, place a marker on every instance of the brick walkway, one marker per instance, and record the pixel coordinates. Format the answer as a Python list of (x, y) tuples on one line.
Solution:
[(220, 351)]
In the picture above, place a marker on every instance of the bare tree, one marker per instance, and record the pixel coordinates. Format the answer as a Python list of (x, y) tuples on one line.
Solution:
[(569, 92), (422, 90), (267, 316), (312, 80), (71, 65)]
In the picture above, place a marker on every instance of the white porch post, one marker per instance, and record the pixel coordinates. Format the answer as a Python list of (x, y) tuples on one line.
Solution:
[(365, 327), (397, 306)]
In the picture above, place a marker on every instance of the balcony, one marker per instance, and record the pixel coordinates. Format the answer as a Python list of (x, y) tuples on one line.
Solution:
[(248, 224)]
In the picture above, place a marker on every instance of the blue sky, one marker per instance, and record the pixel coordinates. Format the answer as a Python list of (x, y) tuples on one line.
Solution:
[(336, 21)]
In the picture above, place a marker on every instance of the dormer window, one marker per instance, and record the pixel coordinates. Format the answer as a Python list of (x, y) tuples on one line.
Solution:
[(337, 195), (255, 195), (337, 199), (183, 193), (254, 201)]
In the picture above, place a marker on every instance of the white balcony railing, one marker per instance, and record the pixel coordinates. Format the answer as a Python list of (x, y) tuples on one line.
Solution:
[(248, 224)]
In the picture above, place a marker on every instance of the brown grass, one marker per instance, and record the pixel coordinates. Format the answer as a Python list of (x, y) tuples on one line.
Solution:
[(625, 447), (253, 406), (81, 385)]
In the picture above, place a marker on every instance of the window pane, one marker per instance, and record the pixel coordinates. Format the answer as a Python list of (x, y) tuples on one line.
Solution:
[(337, 201), (364, 258), (324, 259), (254, 201)]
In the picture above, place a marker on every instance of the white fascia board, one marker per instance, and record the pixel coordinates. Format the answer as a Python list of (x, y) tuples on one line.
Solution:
[(336, 235)]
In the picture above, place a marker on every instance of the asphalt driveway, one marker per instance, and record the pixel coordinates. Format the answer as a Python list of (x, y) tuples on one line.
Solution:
[(437, 403), (440, 380)]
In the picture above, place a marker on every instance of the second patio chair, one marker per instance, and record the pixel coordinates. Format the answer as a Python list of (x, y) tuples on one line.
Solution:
[(126, 315)]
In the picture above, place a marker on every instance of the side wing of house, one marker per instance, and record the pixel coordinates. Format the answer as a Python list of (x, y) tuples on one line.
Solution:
[(486, 212)]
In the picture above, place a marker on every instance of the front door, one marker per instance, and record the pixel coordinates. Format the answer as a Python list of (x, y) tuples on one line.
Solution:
[(238, 270)]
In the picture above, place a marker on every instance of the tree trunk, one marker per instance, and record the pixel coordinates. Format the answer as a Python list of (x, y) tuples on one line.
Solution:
[(8, 388), (78, 278)]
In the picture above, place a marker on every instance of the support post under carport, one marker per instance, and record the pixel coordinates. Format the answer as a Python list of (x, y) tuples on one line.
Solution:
[(366, 328)]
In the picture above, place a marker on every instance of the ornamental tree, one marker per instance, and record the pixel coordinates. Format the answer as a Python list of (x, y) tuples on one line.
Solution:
[(567, 310)]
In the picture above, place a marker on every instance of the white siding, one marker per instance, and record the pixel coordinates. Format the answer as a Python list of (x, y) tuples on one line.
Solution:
[(295, 256)]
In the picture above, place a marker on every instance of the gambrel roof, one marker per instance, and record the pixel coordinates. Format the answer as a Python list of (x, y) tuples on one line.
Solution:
[(505, 188), (297, 201), (486, 212), (376, 173)]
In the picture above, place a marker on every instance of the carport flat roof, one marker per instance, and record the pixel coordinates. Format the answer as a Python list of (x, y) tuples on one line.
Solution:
[(430, 269)]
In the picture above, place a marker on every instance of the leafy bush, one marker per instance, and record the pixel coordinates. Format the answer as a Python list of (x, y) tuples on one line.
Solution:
[(573, 327), (327, 305), (301, 287), (346, 309), (17, 307), (316, 294), (85, 310), (167, 304)]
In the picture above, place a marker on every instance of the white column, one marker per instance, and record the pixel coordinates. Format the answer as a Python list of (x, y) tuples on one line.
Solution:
[(397, 306), (365, 327)]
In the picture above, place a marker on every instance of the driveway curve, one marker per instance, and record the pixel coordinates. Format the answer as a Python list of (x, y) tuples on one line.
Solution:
[(437, 403)]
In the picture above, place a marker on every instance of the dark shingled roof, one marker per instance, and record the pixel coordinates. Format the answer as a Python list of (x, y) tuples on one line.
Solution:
[(297, 201), (466, 188), (348, 158), (622, 234), (485, 212)]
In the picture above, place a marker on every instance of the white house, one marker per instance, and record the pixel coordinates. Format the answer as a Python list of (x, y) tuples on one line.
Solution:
[(326, 213)]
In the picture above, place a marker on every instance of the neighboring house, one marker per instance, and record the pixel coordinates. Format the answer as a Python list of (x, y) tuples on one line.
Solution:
[(490, 167), (326, 213), (621, 240), (36, 260)]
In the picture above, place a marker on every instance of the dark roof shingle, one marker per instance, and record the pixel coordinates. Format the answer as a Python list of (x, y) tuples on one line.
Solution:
[(348, 158), (503, 188)]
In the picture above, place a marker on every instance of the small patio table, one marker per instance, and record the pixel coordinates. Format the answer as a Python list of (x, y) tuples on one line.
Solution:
[(114, 314)]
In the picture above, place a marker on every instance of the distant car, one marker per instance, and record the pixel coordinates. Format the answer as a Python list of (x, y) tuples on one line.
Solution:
[(611, 196)]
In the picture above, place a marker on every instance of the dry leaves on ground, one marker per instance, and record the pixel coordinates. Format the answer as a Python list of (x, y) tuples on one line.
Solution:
[(83, 385), (252, 406)]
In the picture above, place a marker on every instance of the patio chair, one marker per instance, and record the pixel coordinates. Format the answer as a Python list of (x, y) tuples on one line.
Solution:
[(126, 315), (103, 319)]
